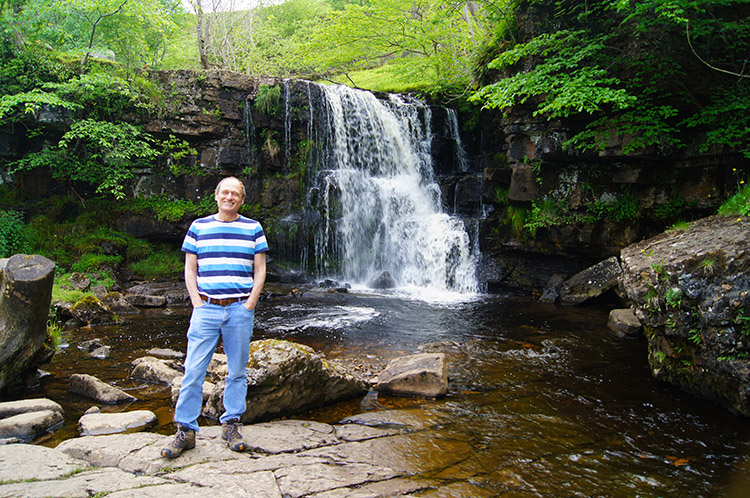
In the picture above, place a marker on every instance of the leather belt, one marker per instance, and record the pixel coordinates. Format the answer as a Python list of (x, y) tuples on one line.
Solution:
[(222, 302)]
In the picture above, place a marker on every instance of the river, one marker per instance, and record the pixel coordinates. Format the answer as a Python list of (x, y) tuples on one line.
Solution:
[(551, 403)]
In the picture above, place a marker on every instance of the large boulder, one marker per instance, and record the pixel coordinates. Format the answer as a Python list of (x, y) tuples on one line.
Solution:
[(285, 378), (691, 291), (154, 370), (25, 296), (423, 374)]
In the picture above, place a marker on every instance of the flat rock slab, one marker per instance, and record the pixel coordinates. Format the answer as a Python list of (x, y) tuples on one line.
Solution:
[(288, 458), (47, 463)]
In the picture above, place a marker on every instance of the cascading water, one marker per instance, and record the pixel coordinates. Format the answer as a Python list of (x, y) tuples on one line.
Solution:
[(379, 204)]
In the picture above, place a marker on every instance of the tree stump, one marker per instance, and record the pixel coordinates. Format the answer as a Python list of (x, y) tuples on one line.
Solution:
[(25, 296)]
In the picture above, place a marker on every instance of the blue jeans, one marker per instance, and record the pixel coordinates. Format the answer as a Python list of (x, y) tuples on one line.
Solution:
[(234, 323)]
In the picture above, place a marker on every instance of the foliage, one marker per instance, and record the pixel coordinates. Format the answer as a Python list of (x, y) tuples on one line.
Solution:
[(13, 239), (431, 41), (738, 204), (268, 99), (166, 262), (133, 32), (567, 76), (99, 153), (166, 208), (646, 72)]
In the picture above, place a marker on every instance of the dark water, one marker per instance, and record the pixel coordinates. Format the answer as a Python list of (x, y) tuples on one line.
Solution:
[(543, 400)]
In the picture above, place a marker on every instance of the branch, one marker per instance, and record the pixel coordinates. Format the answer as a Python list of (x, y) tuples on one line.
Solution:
[(687, 34)]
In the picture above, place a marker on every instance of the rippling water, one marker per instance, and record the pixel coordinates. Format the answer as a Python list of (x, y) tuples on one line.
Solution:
[(543, 400)]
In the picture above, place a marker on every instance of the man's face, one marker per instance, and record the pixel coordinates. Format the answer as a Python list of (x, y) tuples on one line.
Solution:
[(229, 197)]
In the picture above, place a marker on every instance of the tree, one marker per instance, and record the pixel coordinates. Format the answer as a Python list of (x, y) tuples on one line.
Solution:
[(432, 42), (632, 68)]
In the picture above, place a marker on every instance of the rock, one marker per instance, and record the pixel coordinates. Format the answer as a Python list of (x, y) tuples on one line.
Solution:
[(691, 289), (286, 378), (29, 426), (144, 301), (95, 348), (384, 281), (523, 184), (48, 464), (25, 296), (591, 282), (423, 374), (153, 370), (92, 311), (11, 408), (100, 291), (117, 303), (625, 324), (551, 292), (91, 387), (208, 388), (291, 458), (79, 281), (97, 424), (165, 353)]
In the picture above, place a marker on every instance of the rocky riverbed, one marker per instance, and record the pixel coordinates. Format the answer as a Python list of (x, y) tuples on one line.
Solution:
[(366, 455)]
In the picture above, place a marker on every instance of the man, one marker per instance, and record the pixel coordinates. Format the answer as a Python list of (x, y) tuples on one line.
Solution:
[(225, 269)]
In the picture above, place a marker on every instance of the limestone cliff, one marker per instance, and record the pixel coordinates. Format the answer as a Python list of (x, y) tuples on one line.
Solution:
[(691, 291)]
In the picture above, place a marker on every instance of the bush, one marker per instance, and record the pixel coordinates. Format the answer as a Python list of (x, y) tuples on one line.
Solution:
[(13, 237)]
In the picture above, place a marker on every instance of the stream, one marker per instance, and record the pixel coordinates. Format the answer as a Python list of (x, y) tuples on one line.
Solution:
[(551, 403)]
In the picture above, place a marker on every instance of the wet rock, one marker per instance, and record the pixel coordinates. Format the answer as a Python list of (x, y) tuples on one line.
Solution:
[(165, 353), (423, 374), (591, 282), (625, 324), (29, 426), (92, 311), (690, 290), (91, 387), (95, 348), (285, 378), (96, 424), (383, 281), (25, 296), (154, 370), (551, 293)]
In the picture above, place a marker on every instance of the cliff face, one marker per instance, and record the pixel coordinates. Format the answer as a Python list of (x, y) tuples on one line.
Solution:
[(691, 291), (538, 209)]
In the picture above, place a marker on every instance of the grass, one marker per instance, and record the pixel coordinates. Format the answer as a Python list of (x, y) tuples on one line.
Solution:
[(738, 204), (166, 262)]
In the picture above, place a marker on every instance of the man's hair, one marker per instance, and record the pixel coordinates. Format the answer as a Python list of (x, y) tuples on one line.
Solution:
[(242, 185)]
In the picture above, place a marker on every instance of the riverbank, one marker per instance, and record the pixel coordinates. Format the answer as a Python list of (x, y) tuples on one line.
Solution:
[(366, 456)]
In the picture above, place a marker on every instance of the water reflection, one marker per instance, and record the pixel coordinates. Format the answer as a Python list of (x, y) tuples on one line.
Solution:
[(543, 400)]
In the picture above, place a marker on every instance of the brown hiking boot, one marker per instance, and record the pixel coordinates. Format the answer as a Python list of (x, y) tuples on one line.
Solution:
[(183, 440), (230, 432)]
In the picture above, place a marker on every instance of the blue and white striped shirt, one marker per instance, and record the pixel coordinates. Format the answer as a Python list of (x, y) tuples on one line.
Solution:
[(225, 253)]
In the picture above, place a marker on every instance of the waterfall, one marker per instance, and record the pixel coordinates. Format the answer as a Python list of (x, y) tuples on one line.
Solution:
[(461, 160), (377, 201)]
